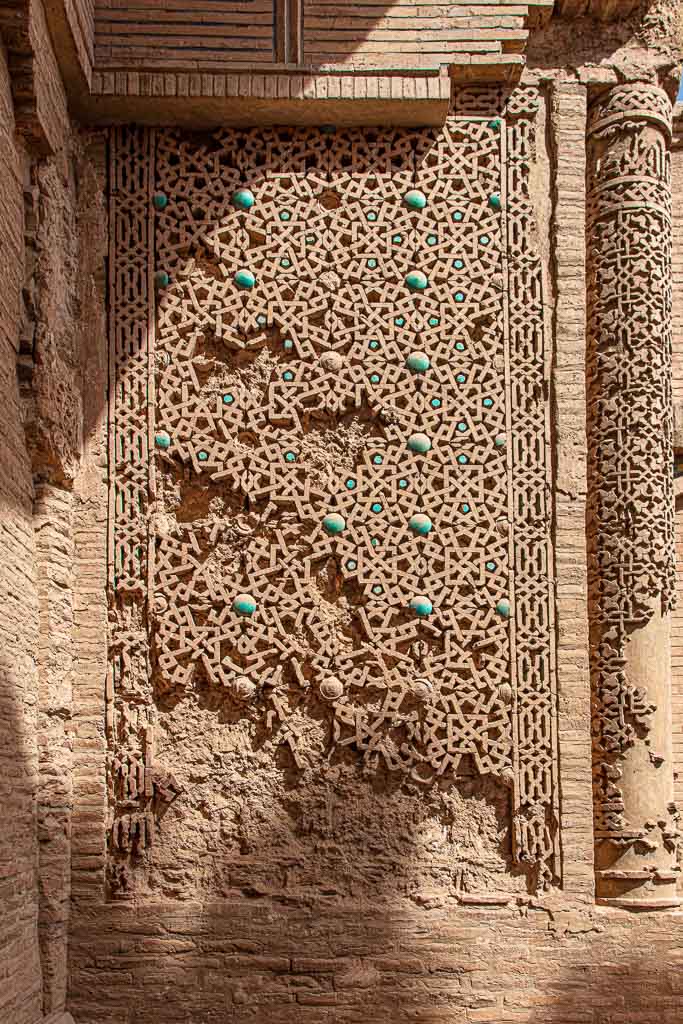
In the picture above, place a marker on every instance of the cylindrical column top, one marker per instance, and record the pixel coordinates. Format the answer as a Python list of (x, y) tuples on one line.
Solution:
[(638, 101)]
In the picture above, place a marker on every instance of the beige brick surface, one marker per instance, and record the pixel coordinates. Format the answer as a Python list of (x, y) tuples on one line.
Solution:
[(20, 976)]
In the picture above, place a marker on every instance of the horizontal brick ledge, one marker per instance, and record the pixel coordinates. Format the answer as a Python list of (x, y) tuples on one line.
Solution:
[(202, 99), (428, 84), (206, 100)]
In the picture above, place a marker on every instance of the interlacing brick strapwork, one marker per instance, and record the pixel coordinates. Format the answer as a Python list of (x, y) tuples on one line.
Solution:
[(631, 531), (130, 709), (348, 411)]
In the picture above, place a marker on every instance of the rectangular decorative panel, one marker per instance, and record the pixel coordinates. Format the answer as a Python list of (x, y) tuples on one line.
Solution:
[(329, 460)]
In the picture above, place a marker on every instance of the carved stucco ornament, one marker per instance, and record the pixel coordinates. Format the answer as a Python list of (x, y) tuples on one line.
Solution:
[(254, 586), (630, 511)]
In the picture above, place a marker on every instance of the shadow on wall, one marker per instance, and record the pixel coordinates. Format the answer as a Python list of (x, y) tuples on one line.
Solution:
[(41, 402), (20, 984), (359, 962), (361, 954)]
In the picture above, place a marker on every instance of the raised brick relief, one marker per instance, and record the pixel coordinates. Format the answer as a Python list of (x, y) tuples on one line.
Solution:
[(630, 512), (330, 491)]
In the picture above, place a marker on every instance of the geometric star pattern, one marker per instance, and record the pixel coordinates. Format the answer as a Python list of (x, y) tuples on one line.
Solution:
[(374, 294)]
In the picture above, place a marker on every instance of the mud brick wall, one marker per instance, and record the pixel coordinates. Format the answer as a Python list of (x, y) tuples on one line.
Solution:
[(244, 961), (195, 35), (404, 34), (210, 34), (48, 316), (83, 21), (20, 975)]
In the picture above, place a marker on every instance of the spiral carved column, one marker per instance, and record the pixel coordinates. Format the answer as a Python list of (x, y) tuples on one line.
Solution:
[(630, 518)]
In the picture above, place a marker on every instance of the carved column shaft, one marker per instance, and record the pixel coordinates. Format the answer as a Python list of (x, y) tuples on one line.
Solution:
[(630, 520)]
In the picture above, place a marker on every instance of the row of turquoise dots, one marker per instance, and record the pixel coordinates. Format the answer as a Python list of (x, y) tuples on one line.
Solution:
[(414, 199), (246, 605), (417, 362), (373, 345), (418, 442)]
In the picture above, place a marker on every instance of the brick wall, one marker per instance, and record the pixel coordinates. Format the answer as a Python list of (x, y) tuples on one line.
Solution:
[(195, 35), (210, 34), (83, 21), (568, 119), (50, 97), (54, 561), (42, 337), (20, 975), (90, 545), (248, 960), (402, 34), (275, 960)]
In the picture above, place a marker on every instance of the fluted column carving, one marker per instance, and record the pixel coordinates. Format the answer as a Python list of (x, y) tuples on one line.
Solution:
[(630, 518)]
